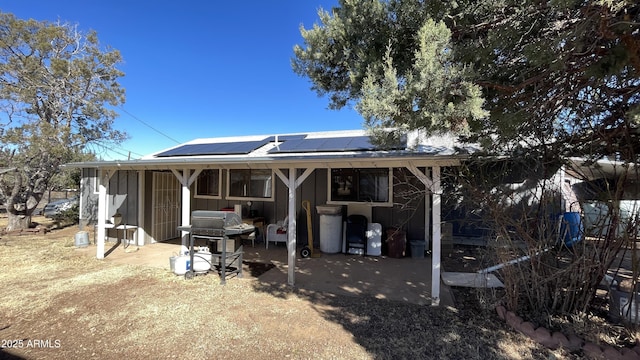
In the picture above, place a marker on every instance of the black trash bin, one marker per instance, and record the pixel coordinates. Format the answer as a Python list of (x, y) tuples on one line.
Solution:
[(356, 234), (417, 249), (396, 243)]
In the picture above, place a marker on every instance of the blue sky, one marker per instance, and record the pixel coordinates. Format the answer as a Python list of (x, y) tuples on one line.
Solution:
[(199, 69)]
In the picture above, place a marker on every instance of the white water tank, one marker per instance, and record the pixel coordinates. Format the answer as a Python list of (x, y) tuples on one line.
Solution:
[(374, 239), (330, 228)]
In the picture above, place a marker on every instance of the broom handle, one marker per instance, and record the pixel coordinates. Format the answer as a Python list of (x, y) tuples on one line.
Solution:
[(307, 209)]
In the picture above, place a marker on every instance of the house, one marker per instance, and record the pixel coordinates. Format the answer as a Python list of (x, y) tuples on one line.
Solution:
[(604, 185), (271, 175)]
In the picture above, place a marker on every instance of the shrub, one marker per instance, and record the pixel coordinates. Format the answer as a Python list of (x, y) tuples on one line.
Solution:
[(69, 216)]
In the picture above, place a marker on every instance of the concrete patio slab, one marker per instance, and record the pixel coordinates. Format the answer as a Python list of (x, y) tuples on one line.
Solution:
[(474, 280), (404, 280)]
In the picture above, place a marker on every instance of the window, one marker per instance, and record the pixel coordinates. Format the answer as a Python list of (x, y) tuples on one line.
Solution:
[(208, 184), (250, 183), (360, 185), (91, 176)]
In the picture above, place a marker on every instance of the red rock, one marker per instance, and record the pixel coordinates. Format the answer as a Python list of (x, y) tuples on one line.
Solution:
[(575, 342), (543, 331), (527, 328), (629, 354), (543, 336), (512, 319), (562, 339), (592, 350), (612, 353)]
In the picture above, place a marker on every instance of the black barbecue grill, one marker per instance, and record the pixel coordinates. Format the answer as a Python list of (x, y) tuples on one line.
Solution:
[(218, 228), (213, 223)]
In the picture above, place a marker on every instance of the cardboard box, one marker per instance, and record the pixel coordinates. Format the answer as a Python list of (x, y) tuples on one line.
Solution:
[(232, 245)]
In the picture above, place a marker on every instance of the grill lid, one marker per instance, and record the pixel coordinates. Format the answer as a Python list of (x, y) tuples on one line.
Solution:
[(207, 219)]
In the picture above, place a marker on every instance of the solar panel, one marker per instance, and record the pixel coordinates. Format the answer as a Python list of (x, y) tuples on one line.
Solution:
[(229, 148), (286, 137), (356, 143), (290, 144)]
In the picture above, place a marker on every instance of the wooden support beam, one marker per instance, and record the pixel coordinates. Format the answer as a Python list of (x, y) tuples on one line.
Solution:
[(186, 178), (292, 182), (103, 177), (291, 231), (433, 187), (141, 233), (436, 192)]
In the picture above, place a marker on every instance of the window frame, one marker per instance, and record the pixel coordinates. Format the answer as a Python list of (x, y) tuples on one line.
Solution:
[(251, 198), (94, 179), (196, 195), (357, 171)]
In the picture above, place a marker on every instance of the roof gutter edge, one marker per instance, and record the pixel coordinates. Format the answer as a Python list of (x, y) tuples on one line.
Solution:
[(258, 160)]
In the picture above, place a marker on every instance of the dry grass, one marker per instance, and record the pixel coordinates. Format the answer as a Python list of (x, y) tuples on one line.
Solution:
[(81, 307)]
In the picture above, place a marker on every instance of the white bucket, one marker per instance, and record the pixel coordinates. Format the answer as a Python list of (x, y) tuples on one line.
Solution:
[(201, 261), (182, 264), (82, 239)]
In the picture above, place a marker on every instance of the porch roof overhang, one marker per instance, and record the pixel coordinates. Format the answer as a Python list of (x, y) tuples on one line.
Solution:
[(366, 159), (579, 168)]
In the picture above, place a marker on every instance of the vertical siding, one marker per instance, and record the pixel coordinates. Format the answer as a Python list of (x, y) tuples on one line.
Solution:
[(264, 208), (281, 197), (406, 214), (319, 197), (89, 199), (123, 193), (148, 198), (124, 196), (312, 191)]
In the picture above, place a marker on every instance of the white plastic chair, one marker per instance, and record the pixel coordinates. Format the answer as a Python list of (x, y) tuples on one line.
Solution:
[(277, 232)]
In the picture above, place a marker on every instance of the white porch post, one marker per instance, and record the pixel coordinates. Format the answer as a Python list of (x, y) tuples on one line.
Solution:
[(291, 239), (292, 182), (427, 218), (103, 179), (141, 233), (433, 186), (435, 255), (186, 179), (186, 208)]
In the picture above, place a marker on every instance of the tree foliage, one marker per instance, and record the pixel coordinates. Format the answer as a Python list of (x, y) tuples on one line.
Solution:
[(565, 73), (394, 61), (432, 94), (57, 93), (557, 78), (561, 79), (561, 72)]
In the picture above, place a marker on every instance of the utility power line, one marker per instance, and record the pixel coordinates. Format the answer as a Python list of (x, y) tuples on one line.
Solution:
[(149, 126)]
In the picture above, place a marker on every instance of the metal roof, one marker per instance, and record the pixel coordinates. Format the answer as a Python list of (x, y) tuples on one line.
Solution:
[(602, 169), (320, 149)]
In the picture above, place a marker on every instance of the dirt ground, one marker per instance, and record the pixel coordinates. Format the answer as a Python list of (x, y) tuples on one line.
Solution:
[(596, 326), (59, 304)]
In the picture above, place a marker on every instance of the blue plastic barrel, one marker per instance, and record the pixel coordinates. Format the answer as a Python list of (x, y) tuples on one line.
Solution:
[(572, 228)]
